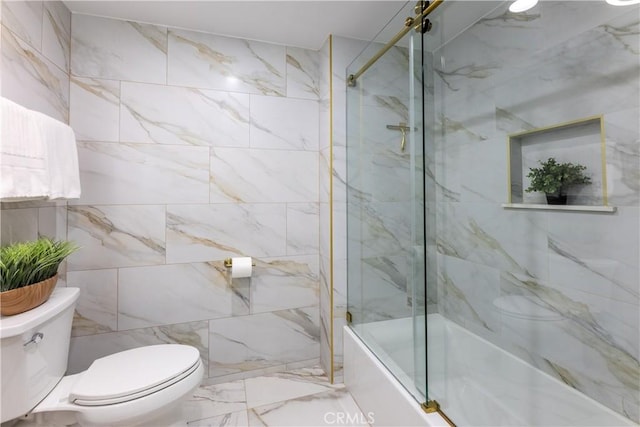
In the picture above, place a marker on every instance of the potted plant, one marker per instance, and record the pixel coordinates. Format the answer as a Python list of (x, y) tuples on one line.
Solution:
[(29, 272), (554, 178)]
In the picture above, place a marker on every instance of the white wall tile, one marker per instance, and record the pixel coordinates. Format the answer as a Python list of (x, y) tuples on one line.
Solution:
[(217, 62), (175, 294), (122, 50), (283, 283), (236, 171), (303, 73), (24, 19), (116, 173), (258, 341), (97, 307), (116, 236), (216, 231), (284, 123), (176, 115), (56, 33), (252, 175), (31, 80), (95, 109), (303, 228), (18, 225)]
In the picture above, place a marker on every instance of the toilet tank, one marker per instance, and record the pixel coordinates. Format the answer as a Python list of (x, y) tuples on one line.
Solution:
[(34, 348)]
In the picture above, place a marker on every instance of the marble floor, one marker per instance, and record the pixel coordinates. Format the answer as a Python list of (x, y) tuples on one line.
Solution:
[(300, 398)]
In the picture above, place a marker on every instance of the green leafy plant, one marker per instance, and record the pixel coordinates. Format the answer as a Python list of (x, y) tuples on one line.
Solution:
[(23, 264), (554, 178)]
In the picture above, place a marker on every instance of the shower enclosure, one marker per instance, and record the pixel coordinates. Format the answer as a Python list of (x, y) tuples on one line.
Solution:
[(478, 297)]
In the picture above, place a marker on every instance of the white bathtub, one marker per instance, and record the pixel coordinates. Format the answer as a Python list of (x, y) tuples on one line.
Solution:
[(476, 384)]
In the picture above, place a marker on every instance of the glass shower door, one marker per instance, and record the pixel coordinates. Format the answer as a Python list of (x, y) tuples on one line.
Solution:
[(385, 208)]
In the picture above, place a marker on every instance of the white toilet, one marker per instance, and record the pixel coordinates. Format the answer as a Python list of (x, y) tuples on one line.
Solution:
[(142, 386)]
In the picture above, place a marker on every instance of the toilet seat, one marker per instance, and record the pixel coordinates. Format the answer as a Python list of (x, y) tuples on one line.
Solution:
[(134, 373)]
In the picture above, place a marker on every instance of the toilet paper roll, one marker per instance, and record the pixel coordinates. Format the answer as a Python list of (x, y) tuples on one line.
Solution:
[(240, 267)]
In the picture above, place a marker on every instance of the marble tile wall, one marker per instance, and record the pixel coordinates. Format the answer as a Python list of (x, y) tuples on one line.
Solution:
[(34, 70), (578, 272), (195, 147)]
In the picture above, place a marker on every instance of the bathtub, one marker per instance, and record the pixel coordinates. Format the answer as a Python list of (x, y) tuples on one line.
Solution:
[(477, 384)]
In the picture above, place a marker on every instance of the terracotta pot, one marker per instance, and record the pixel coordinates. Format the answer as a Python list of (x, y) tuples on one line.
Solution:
[(23, 299)]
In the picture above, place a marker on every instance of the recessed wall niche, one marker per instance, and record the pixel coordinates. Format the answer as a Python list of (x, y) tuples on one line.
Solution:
[(579, 142)]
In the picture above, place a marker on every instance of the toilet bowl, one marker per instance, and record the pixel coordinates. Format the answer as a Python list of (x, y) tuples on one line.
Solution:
[(141, 386)]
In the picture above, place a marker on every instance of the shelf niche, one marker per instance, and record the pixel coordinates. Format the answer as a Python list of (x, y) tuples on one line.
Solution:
[(581, 141)]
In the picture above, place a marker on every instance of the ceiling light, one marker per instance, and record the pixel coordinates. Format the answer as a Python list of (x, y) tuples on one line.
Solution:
[(623, 2), (523, 5)]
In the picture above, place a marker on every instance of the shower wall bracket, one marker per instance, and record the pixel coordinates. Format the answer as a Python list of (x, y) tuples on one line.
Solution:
[(432, 406), (409, 23)]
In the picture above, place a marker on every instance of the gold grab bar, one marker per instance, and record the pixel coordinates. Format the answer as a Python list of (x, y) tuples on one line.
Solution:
[(408, 24)]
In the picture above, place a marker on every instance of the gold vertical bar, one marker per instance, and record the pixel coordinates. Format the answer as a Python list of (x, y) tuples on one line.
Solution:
[(331, 327), (603, 156), (509, 189)]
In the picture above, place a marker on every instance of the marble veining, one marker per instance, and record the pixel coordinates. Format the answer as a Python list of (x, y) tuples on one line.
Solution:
[(122, 50), (31, 80), (623, 157), (204, 293), (142, 173), (303, 73), (95, 109), (296, 277), (116, 236), (175, 115), (24, 19), (216, 62), (621, 375), (96, 310), (556, 247), (626, 34), (284, 123), (298, 397), (235, 347), (249, 229), (303, 228), (56, 33), (257, 176)]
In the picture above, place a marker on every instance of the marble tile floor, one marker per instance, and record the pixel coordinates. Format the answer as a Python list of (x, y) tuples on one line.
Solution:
[(300, 398)]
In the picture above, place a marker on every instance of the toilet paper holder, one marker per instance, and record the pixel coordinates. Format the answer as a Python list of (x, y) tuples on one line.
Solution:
[(228, 263)]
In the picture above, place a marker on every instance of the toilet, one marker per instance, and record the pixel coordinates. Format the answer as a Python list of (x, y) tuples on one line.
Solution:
[(141, 386)]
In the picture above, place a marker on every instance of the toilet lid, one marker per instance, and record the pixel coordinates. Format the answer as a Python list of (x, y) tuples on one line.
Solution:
[(133, 373)]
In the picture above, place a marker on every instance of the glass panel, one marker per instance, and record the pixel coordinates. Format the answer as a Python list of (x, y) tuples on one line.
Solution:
[(540, 308), (385, 207)]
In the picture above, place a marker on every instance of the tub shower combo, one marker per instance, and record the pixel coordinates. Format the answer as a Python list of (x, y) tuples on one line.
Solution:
[(476, 299)]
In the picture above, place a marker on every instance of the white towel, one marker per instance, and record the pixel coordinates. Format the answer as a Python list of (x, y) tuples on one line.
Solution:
[(62, 154), (23, 154), (38, 156)]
